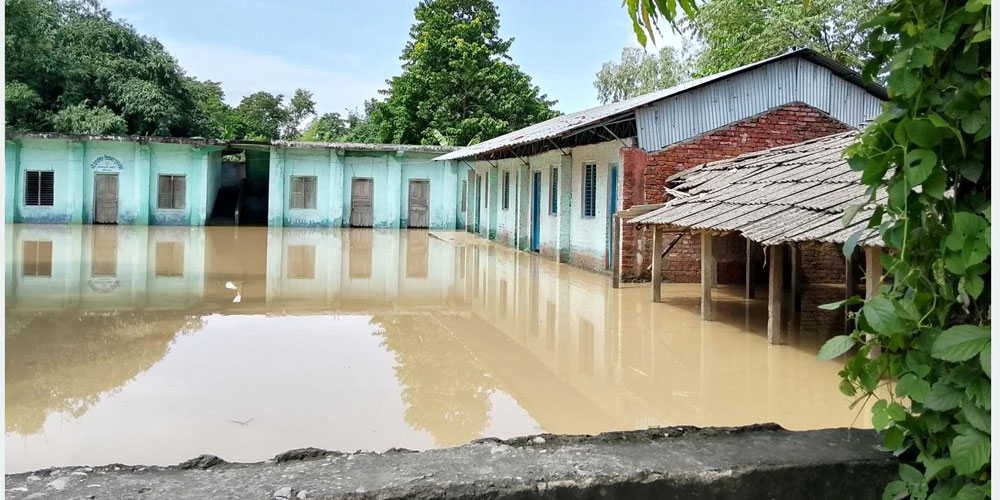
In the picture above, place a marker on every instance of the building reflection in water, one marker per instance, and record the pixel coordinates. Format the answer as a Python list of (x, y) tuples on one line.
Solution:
[(160, 343)]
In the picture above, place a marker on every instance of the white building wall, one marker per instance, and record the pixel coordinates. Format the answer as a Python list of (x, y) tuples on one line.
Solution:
[(589, 235), (588, 239)]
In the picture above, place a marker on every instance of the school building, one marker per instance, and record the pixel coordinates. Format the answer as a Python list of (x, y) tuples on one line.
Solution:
[(79, 179), (554, 187)]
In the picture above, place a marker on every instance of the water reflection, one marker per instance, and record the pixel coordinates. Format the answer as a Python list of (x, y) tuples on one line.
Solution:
[(155, 344)]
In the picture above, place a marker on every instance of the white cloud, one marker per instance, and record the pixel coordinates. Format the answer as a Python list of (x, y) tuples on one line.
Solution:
[(243, 72)]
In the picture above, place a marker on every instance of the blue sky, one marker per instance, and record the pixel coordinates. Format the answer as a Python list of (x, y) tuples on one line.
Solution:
[(344, 50)]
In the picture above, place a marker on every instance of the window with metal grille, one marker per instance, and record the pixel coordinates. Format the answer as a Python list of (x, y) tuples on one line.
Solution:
[(171, 191), (465, 189), (36, 258), (554, 192), (170, 258), (303, 195), (590, 190), (301, 262), (506, 190), (39, 188)]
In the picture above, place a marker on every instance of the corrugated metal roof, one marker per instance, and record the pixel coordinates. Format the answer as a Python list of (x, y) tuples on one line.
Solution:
[(782, 195), (568, 124)]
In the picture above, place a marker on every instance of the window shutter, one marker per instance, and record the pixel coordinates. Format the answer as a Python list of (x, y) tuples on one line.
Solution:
[(164, 192), (309, 192), (47, 189), (31, 187), (180, 190), (295, 199)]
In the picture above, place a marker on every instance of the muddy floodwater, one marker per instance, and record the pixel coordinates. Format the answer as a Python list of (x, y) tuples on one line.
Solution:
[(155, 344)]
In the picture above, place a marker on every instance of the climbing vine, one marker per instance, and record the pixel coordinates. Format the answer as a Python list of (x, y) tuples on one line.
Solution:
[(923, 343)]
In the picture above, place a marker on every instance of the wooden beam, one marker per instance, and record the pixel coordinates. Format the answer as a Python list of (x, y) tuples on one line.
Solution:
[(774, 292), (657, 273), (707, 276), (796, 278), (873, 279), (751, 272), (616, 251)]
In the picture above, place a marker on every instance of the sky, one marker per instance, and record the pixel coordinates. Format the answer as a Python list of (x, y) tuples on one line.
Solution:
[(344, 50)]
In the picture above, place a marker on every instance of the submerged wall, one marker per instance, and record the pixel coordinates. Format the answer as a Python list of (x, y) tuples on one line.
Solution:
[(566, 234), (390, 173), (75, 163)]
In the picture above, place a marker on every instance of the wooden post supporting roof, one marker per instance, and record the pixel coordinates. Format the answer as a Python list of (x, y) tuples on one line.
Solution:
[(707, 276), (796, 277), (873, 279), (776, 256), (657, 273), (751, 272)]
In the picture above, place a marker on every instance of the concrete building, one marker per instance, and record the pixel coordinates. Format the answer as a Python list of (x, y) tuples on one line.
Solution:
[(553, 187), (74, 179)]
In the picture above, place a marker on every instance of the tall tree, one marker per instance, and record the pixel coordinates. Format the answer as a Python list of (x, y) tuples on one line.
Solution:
[(264, 116), (639, 72), (70, 57), (457, 80), (739, 32)]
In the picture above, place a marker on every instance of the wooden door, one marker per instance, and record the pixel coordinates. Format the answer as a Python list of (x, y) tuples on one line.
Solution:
[(106, 199), (361, 203), (419, 200)]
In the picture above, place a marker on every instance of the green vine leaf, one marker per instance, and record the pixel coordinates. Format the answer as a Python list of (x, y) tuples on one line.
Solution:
[(969, 452), (835, 347), (984, 360), (943, 397), (880, 314), (960, 342)]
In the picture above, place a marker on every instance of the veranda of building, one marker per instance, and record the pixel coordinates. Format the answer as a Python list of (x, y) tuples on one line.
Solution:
[(553, 187), (775, 206), (78, 179)]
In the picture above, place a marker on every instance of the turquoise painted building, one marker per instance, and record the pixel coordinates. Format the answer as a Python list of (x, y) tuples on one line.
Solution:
[(74, 179)]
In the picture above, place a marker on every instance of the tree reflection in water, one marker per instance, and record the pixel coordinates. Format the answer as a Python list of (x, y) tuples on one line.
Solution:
[(61, 362), (445, 389)]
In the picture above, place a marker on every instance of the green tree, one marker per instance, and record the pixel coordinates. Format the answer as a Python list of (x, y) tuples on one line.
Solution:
[(457, 79), (208, 96), (72, 54), (82, 119), (639, 72), (264, 116), (327, 128), (739, 32)]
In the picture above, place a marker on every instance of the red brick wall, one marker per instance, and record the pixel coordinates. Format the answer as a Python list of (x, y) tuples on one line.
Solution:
[(645, 176), (822, 264)]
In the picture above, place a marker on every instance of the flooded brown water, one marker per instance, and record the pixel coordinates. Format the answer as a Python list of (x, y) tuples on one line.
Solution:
[(153, 345)]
